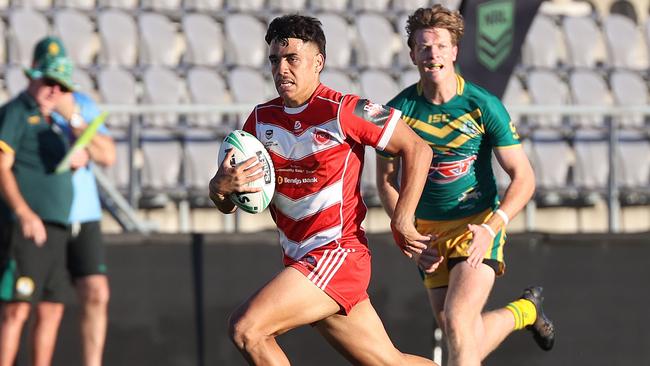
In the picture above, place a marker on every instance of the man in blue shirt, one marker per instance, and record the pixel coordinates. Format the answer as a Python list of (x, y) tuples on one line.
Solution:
[(85, 251)]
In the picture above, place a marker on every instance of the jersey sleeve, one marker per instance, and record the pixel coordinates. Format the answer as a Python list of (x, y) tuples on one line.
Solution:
[(366, 122), (395, 103), (11, 131), (249, 124), (498, 125)]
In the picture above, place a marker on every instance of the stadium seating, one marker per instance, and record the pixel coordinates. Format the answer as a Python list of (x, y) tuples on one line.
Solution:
[(589, 88), (26, 27), (15, 80), (128, 52), (204, 40), (629, 89), (372, 27), (163, 87), (117, 86), (245, 48), (206, 87), (546, 88), (201, 147), (633, 169), (544, 44), (119, 36), (77, 32), (378, 86), (585, 42), (338, 80), (625, 43), (339, 53), (161, 43)]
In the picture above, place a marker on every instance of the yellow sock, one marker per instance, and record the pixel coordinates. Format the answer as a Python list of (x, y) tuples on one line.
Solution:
[(524, 312)]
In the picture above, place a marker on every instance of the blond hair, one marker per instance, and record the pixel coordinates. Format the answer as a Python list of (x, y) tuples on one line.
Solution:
[(436, 16)]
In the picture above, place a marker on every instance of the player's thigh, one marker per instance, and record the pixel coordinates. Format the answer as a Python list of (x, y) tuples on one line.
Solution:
[(468, 290), (360, 336), (287, 301)]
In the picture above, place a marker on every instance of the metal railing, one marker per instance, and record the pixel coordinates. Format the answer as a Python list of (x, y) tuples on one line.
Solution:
[(609, 114)]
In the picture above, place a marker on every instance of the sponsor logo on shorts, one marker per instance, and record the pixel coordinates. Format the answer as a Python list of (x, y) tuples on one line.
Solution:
[(24, 287)]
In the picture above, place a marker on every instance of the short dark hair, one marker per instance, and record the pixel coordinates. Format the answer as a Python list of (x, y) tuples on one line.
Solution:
[(308, 29), (436, 16)]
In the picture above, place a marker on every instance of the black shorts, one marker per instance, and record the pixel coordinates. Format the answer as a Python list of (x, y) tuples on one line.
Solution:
[(31, 273), (86, 251)]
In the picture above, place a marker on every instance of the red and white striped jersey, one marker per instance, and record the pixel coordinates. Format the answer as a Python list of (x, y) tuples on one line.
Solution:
[(317, 151)]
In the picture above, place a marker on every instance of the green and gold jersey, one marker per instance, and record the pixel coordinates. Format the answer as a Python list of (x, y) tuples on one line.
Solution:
[(462, 133)]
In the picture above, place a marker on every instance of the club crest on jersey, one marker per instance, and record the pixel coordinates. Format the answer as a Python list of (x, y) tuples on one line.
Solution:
[(297, 127), (321, 137), (268, 134), (450, 171)]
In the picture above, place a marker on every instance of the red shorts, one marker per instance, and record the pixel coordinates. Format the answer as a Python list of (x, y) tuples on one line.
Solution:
[(341, 270)]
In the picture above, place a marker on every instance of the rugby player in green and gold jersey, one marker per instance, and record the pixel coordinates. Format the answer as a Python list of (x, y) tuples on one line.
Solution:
[(460, 206)]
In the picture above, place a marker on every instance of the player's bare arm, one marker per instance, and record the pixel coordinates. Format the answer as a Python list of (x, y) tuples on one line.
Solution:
[(415, 157), (233, 179), (514, 161), (387, 182), (31, 225)]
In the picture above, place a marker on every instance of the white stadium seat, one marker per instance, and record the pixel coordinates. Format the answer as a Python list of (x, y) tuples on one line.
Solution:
[(204, 40), (245, 48), (339, 6), (370, 5), (287, 6), (249, 86), (206, 87), (119, 36), (377, 86), (162, 87), (592, 163), (15, 80), (546, 88), (544, 44), (629, 88), (584, 41), (338, 80), (589, 88), (339, 44), (117, 86), (77, 31), (625, 42), (161, 42), (246, 5), (26, 28), (378, 42)]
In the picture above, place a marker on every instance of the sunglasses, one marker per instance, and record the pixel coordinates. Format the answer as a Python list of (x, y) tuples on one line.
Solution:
[(51, 82)]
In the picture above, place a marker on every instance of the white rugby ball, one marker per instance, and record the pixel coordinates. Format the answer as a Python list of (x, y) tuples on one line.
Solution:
[(247, 146)]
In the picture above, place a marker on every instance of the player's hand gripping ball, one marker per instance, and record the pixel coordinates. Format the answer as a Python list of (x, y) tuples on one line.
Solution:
[(247, 146)]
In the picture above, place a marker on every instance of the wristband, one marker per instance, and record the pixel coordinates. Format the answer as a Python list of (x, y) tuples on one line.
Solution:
[(504, 216), (490, 230)]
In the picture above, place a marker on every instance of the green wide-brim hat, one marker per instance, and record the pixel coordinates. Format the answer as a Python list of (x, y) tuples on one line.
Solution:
[(58, 68)]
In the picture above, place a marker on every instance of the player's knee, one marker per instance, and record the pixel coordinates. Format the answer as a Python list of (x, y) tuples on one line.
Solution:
[(241, 332), (17, 312), (95, 293), (456, 328)]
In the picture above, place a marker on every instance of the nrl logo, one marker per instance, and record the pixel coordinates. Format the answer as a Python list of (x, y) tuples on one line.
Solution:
[(495, 32)]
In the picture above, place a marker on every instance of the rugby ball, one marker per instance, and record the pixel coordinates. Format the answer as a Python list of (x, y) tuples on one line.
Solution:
[(247, 146)]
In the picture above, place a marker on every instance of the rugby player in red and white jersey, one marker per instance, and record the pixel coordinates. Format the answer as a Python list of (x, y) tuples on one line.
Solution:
[(316, 137)]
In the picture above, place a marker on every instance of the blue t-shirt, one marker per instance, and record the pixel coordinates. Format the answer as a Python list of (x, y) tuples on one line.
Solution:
[(86, 206)]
